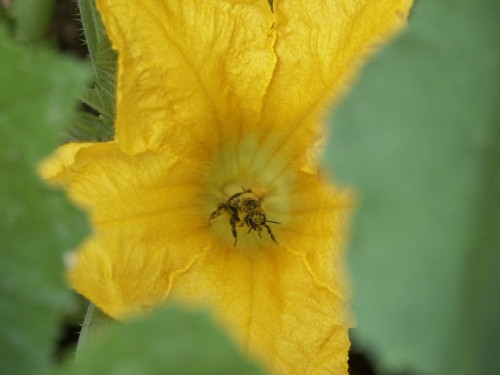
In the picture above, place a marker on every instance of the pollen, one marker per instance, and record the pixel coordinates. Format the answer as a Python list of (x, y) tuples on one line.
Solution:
[(248, 193)]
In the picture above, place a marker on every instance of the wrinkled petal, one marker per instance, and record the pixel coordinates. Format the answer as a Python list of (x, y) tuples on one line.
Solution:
[(285, 303), (145, 212), (320, 45), (189, 72), (53, 168)]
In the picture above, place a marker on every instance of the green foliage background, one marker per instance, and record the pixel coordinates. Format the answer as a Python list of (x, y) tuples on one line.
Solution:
[(36, 223), (417, 137)]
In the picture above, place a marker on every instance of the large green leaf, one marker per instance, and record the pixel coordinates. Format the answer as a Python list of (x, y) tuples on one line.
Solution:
[(419, 138), (31, 19), (37, 99), (170, 341)]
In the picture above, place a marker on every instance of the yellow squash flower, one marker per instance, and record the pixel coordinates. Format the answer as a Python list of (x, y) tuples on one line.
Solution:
[(220, 112)]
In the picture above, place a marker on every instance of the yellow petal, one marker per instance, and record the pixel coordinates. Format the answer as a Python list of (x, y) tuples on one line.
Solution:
[(320, 45), (189, 72), (54, 167), (144, 210), (285, 303)]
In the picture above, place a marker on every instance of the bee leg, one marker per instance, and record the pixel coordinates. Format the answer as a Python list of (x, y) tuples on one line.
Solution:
[(234, 219), (270, 233), (214, 214), (218, 211)]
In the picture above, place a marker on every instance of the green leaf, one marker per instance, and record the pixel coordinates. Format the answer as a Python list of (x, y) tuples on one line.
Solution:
[(169, 341), (418, 138), (101, 96), (88, 128), (5, 20), (32, 19), (94, 327), (37, 98)]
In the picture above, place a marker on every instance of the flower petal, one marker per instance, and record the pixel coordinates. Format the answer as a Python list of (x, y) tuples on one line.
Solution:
[(189, 71), (285, 303), (54, 167), (148, 219), (320, 45)]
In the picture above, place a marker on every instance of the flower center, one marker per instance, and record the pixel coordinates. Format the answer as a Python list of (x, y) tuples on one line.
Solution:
[(248, 193)]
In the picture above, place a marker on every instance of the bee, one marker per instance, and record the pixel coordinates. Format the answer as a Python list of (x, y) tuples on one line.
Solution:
[(244, 208)]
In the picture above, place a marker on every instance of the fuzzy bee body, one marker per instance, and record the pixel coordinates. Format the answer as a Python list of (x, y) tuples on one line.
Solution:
[(244, 209)]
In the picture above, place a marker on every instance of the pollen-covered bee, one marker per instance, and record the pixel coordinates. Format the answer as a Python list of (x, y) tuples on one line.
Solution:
[(244, 208)]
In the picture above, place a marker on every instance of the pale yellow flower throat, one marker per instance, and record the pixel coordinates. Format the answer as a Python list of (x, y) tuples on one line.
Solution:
[(248, 193)]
